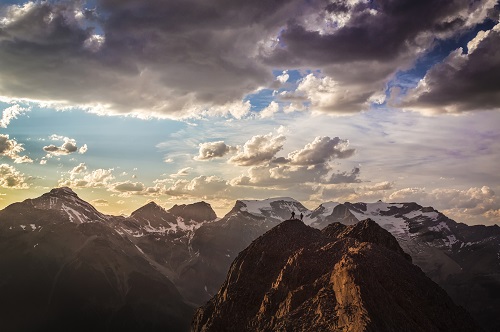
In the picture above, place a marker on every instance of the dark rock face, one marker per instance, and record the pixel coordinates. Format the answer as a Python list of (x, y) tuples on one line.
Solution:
[(198, 212), (340, 212), (366, 231), (297, 278), (154, 215)]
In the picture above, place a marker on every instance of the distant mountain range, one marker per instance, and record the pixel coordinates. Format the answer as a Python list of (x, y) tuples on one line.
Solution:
[(67, 263)]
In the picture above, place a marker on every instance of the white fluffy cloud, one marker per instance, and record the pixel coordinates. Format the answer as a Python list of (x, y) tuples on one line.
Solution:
[(11, 148), (259, 149), (211, 150), (181, 173), (321, 150), (201, 186), (309, 165), (79, 176), (270, 110), (323, 94), (12, 178)]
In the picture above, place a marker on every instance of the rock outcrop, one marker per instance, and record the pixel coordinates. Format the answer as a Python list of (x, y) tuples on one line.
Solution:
[(344, 278)]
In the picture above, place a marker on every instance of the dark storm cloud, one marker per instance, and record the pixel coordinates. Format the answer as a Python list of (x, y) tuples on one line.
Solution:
[(145, 56), (462, 82), (377, 31), (373, 42), (186, 58)]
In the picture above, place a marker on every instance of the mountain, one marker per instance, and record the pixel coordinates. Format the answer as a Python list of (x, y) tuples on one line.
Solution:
[(181, 247), (275, 209), (298, 278), (198, 212), (464, 260), (65, 267), (217, 243), (68, 204)]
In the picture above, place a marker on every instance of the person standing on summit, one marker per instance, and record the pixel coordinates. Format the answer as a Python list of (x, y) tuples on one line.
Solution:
[(293, 214)]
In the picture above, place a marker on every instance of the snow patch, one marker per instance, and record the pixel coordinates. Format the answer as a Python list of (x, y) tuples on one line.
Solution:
[(439, 227), (328, 208), (450, 240), (397, 226), (73, 214), (256, 207), (142, 252), (33, 227), (23, 227)]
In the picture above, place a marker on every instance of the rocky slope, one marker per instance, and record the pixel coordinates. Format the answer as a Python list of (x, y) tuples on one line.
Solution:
[(464, 260), (297, 278)]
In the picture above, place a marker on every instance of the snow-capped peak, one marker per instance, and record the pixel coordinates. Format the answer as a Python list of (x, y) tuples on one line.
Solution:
[(258, 206)]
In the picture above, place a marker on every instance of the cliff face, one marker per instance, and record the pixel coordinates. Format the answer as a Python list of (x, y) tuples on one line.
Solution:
[(344, 278)]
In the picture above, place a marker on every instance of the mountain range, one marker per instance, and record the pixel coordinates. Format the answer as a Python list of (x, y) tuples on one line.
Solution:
[(68, 263)]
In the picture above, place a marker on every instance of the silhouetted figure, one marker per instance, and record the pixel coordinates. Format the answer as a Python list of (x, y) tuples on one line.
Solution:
[(301, 217), (293, 214)]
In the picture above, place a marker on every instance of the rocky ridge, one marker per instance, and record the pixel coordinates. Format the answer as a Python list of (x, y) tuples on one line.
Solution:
[(297, 278)]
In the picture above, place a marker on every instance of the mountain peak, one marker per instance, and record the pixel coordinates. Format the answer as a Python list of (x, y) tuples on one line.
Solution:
[(150, 205), (366, 231), (199, 211), (63, 191), (149, 211), (295, 278), (276, 209)]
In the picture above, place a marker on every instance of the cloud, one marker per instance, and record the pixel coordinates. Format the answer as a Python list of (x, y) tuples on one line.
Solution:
[(160, 66), (322, 94), (12, 178), (128, 186), (83, 149), (181, 173), (463, 81), (69, 146), (309, 165), (78, 169), (211, 150), (321, 150), (258, 150), (100, 202), (11, 113), (79, 176), (360, 45), (11, 148), (270, 110), (385, 185), (472, 205), (185, 58), (201, 186)]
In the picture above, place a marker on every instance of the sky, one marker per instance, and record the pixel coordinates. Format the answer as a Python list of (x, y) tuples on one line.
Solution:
[(178, 101)]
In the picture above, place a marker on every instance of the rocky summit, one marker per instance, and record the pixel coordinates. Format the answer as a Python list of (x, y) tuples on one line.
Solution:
[(344, 278)]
